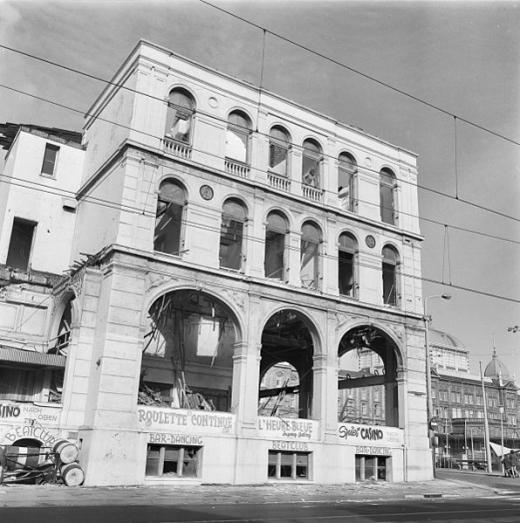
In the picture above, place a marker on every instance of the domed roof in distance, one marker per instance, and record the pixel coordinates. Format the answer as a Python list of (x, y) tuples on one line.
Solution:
[(496, 369), (445, 340)]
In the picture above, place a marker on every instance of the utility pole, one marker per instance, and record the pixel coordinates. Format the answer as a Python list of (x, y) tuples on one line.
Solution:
[(486, 424)]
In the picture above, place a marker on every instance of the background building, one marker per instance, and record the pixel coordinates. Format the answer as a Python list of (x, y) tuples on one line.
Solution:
[(222, 233), (459, 403)]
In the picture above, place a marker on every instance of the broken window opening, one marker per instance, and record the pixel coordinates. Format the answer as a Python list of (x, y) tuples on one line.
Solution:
[(29, 383), (389, 269), (311, 163), (276, 231), (60, 343), (231, 234), (237, 136), (286, 367), (347, 169), (20, 244), (187, 356), (173, 460), (310, 255), (179, 117), (387, 186), (49, 159), (288, 465), (367, 373), (347, 265), (279, 145), (169, 216)]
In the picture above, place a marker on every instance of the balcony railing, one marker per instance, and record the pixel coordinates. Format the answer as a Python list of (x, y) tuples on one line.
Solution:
[(312, 193), (182, 150), (236, 168), (279, 182)]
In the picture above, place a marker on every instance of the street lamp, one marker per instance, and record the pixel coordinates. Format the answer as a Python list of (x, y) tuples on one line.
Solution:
[(429, 400), (501, 410)]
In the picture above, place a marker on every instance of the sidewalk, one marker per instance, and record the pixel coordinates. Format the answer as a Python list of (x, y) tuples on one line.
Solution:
[(57, 495)]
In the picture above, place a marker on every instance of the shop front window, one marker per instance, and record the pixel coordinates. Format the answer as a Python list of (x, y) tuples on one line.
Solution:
[(288, 465), (173, 460)]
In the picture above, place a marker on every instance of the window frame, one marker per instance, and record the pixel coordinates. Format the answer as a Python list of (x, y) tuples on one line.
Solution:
[(178, 474), (294, 465), (279, 233), (354, 254), (50, 147), (316, 156), (188, 111), (243, 230), (390, 189), (240, 131), (385, 265), (315, 283), (170, 204), (348, 194), (286, 147), (21, 221)]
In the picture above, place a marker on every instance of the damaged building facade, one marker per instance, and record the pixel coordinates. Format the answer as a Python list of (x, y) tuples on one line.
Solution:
[(236, 258)]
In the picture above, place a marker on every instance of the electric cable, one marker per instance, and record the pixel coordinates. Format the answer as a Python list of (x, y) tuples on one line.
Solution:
[(162, 100)]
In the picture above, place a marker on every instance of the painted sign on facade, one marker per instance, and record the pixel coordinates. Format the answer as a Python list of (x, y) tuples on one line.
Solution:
[(370, 434), (285, 428), (24, 413), (290, 445), (174, 439), (198, 421), (374, 451)]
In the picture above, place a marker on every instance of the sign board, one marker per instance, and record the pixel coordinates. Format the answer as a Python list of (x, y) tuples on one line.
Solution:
[(185, 421), (174, 439), (290, 445), (286, 428), (373, 435), (374, 451)]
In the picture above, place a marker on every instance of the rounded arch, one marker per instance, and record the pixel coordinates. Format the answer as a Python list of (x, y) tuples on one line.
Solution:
[(350, 232), (313, 326), (390, 252), (183, 89), (312, 144), (388, 332), (174, 179), (387, 169), (68, 298), (238, 197), (168, 287), (288, 348), (279, 132), (312, 221), (368, 388), (240, 111), (282, 212), (349, 158)]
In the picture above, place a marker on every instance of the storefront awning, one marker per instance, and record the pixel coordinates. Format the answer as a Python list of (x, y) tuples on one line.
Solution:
[(31, 357)]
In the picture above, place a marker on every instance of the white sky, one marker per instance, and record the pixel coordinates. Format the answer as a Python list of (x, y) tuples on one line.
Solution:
[(461, 56)]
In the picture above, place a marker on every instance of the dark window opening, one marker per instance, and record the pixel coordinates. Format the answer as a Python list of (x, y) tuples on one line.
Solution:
[(371, 467), (346, 265), (389, 268), (346, 175), (310, 256), (237, 136), (181, 108), (274, 262), (231, 235), (20, 244), (288, 465), (386, 195), (168, 222), (311, 163), (173, 460), (279, 144), (49, 159), (26, 383)]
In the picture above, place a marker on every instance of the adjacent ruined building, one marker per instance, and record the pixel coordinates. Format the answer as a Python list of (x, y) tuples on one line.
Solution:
[(231, 290)]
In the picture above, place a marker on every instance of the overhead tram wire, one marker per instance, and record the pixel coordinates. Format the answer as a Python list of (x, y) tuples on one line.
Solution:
[(217, 118), (136, 210), (329, 256), (364, 75), (127, 127)]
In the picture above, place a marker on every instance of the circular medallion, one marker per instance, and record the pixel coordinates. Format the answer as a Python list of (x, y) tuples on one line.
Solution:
[(370, 241), (213, 102), (206, 192)]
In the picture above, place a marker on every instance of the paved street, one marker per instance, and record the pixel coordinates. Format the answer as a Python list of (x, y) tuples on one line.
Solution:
[(476, 510), (456, 496)]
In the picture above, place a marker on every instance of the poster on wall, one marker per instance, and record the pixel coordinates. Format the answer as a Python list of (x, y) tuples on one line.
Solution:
[(373, 435)]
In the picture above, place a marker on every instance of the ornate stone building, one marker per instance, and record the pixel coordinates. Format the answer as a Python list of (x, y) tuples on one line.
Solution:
[(221, 232)]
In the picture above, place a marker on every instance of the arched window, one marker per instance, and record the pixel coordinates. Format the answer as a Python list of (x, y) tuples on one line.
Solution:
[(181, 107), (168, 221), (234, 215), (237, 136), (310, 255), (387, 196), (390, 281), (311, 163), (347, 169), (275, 233), (347, 265), (279, 145)]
